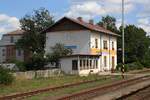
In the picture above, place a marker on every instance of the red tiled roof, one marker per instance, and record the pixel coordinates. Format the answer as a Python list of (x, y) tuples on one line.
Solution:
[(93, 27), (16, 32), (88, 26)]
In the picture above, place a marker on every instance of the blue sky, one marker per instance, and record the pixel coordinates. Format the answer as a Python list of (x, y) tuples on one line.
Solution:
[(137, 11)]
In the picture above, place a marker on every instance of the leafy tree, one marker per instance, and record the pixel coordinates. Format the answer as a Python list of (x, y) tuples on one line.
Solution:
[(36, 62), (58, 51), (146, 59), (33, 40), (6, 78), (136, 43), (109, 22)]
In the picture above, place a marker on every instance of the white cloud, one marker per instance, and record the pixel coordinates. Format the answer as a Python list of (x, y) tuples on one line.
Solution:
[(145, 24), (8, 23), (87, 10), (93, 8)]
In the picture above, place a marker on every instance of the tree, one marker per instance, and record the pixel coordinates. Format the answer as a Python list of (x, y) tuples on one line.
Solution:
[(136, 43), (57, 52), (36, 62), (33, 40), (109, 22)]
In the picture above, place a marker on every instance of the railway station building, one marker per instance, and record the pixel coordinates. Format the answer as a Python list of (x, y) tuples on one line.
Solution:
[(94, 47)]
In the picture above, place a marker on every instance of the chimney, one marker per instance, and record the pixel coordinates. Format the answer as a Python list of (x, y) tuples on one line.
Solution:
[(80, 19), (91, 21)]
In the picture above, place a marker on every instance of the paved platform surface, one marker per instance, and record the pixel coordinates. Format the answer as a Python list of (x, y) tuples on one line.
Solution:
[(112, 95)]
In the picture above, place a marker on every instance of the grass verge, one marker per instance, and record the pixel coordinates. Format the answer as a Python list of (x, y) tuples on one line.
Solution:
[(24, 85), (52, 94)]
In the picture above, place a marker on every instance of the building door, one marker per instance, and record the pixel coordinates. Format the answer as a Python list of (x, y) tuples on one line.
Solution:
[(74, 65), (113, 63)]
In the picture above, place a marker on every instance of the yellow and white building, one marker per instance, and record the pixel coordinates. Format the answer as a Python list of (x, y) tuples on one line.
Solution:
[(94, 48)]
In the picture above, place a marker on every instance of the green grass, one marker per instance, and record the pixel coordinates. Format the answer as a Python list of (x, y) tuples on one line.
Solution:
[(24, 85), (69, 90)]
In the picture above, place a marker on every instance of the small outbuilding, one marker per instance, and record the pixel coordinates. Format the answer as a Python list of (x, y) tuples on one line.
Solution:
[(80, 64)]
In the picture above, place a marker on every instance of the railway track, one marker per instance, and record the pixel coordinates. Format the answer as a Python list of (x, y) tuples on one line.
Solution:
[(38, 91), (89, 94), (140, 94)]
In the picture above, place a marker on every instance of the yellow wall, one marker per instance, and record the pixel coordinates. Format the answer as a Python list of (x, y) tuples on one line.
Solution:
[(98, 51)]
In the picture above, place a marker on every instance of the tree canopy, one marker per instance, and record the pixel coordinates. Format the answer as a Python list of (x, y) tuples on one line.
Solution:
[(136, 43), (108, 22), (33, 24), (57, 51)]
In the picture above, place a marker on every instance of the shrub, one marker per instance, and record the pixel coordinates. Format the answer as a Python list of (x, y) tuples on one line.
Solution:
[(130, 66), (5, 77), (20, 65), (135, 65)]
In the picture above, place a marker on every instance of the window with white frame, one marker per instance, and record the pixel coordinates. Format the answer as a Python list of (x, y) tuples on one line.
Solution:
[(105, 46)]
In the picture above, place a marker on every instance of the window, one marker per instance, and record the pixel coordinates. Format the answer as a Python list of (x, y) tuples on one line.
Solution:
[(84, 64), (81, 65), (113, 62), (19, 52), (93, 64), (90, 64), (105, 61), (96, 61), (87, 64), (112, 45), (105, 44), (96, 43), (3, 52), (74, 65), (11, 39)]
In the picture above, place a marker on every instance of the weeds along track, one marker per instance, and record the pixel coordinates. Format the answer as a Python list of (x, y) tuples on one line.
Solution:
[(88, 94), (38, 91)]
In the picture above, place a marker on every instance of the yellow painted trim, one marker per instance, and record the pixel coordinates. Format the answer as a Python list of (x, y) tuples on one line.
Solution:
[(98, 51)]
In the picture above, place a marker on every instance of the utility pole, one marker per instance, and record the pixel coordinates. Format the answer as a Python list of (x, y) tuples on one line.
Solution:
[(123, 61)]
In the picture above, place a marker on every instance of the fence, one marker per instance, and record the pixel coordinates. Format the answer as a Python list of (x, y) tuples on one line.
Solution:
[(38, 74)]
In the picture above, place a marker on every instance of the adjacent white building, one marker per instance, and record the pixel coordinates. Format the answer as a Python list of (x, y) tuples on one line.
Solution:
[(8, 50), (94, 48)]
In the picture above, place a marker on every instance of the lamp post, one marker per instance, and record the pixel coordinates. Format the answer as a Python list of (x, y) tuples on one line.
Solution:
[(123, 61)]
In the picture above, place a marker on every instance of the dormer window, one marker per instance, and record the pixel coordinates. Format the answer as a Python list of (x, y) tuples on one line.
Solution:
[(11, 39)]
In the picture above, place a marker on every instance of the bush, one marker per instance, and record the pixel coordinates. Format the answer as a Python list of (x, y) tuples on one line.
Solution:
[(119, 67), (36, 62), (130, 66), (135, 65), (5, 77), (20, 65)]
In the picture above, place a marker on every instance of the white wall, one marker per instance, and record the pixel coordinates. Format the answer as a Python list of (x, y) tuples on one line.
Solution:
[(107, 53), (66, 65), (20, 57), (84, 40), (81, 39), (7, 38)]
